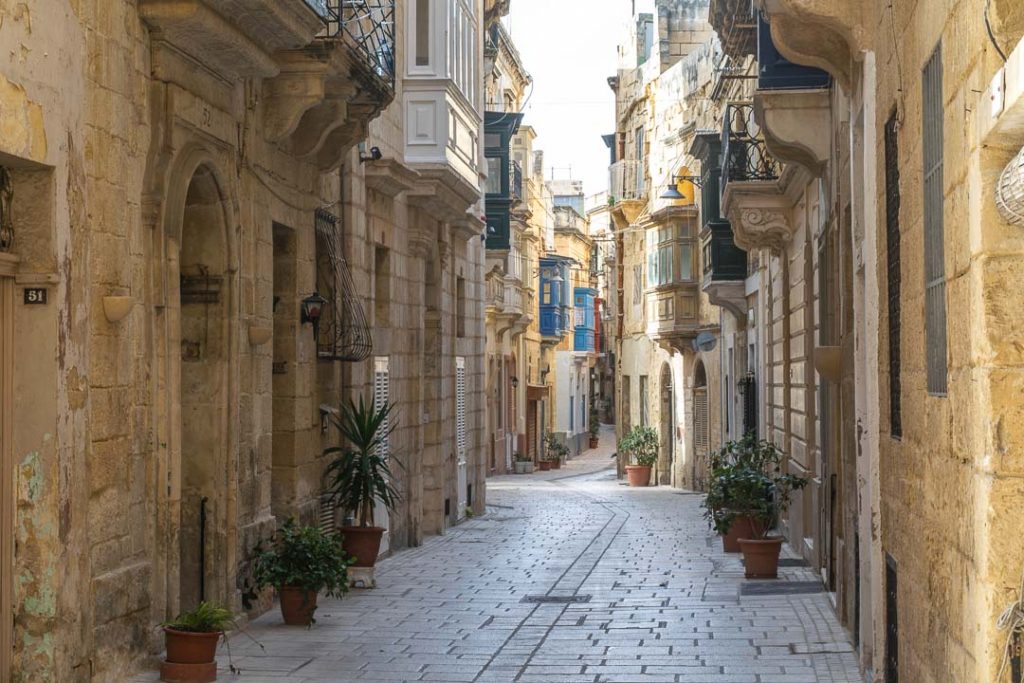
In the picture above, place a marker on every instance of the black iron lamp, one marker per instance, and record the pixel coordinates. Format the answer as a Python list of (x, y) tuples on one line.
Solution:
[(312, 310), (374, 155), (515, 382), (673, 190)]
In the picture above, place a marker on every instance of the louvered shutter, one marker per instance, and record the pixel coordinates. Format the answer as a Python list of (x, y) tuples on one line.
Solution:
[(381, 395), (460, 433)]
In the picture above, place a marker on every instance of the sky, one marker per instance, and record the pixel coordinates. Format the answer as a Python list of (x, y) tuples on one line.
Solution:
[(570, 49)]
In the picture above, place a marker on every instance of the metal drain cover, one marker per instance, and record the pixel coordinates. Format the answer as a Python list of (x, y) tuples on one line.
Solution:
[(556, 599), (781, 588)]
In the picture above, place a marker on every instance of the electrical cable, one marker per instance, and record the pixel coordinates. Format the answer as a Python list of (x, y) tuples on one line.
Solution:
[(991, 35)]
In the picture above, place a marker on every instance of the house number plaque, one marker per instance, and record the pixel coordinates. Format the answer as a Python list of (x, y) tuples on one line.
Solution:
[(35, 296)]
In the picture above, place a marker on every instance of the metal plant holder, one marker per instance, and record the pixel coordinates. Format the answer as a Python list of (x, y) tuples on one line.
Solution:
[(342, 331)]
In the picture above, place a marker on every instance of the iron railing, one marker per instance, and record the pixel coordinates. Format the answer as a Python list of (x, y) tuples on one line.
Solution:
[(342, 333), (744, 154), (369, 25), (626, 180), (748, 387)]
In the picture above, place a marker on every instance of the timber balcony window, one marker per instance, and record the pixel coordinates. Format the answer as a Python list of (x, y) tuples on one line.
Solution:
[(585, 324), (555, 293), (626, 180), (367, 25), (722, 260), (504, 176), (745, 156), (775, 72)]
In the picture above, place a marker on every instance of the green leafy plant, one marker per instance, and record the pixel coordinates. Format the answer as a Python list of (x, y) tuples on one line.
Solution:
[(595, 421), (554, 449), (748, 480), (641, 443), (302, 557), (521, 457), (360, 473), (206, 617)]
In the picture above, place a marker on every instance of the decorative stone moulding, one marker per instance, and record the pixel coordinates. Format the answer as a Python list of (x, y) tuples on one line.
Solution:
[(730, 295), (827, 34), (828, 361), (260, 334), (797, 126), (117, 308)]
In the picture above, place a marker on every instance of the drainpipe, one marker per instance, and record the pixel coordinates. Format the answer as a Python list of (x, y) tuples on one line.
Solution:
[(1010, 191)]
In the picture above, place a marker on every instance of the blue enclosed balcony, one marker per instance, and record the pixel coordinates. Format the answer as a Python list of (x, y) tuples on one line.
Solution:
[(555, 300), (585, 328), (775, 72)]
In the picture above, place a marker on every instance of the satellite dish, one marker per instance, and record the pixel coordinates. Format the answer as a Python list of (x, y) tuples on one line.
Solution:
[(705, 342)]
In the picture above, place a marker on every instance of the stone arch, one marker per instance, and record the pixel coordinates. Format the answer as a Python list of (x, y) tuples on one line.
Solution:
[(201, 375), (666, 425)]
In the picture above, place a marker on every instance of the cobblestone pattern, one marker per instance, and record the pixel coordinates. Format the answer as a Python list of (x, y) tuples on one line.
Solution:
[(664, 601)]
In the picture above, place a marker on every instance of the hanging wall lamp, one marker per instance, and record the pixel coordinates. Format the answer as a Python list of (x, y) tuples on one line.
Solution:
[(312, 310)]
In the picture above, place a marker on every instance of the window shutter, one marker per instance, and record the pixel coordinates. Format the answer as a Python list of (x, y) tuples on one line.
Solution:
[(892, 248), (381, 395), (934, 250), (460, 405)]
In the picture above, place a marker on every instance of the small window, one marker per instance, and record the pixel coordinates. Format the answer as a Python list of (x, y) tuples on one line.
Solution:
[(460, 307), (422, 32), (382, 286)]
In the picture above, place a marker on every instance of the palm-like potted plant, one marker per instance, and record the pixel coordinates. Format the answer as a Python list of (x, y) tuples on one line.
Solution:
[(641, 444), (595, 426), (191, 641), (360, 475), (763, 494), (300, 562)]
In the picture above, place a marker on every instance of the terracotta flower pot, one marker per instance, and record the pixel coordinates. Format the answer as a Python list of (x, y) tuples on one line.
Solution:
[(556, 464), (761, 557), (741, 527), (362, 543), (191, 657), (297, 605), (545, 465), (638, 475), (594, 441)]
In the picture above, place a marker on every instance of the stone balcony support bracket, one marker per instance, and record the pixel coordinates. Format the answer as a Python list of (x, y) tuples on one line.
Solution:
[(828, 34), (730, 295), (796, 125), (759, 214)]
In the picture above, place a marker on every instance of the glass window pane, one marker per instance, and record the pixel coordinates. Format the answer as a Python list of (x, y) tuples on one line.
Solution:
[(685, 261), (422, 32)]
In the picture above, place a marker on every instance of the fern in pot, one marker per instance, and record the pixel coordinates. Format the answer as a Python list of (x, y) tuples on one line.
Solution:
[(359, 475), (191, 641)]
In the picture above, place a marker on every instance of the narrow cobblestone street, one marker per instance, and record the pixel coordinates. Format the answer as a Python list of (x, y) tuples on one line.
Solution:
[(485, 602)]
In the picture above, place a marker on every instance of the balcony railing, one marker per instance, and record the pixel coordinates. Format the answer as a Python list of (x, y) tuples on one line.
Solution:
[(515, 181), (369, 25), (496, 293), (626, 180), (745, 156)]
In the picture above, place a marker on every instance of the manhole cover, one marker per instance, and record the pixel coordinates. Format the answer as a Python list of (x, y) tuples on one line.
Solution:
[(781, 588), (556, 599)]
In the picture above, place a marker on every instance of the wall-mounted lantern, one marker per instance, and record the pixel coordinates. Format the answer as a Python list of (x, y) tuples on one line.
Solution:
[(312, 310), (515, 382)]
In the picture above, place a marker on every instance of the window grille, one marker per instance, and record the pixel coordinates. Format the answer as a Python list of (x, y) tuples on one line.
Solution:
[(934, 255), (892, 630), (892, 248), (748, 387), (460, 406), (343, 332)]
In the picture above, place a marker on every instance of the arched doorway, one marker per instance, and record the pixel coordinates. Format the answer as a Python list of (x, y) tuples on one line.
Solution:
[(700, 426), (668, 426), (204, 333)]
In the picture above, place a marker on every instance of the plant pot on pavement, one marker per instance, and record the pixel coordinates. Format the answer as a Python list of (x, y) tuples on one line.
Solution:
[(741, 527), (297, 605), (191, 657), (594, 441), (362, 543), (520, 467), (556, 464), (545, 465), (761, 557), (638, 475)]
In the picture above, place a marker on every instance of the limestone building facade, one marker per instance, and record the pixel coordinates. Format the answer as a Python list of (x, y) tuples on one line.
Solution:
[(179, 179)]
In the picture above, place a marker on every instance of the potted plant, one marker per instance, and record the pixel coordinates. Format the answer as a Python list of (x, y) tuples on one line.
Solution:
[(762, 494), (641, 443), (724, 465), (523, 463), (301, 562), (359, 476), (191, 641), (595, 426), (556, 452)]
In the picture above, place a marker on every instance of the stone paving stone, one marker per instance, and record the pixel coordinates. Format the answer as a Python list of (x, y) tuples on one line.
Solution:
[(665, 603)]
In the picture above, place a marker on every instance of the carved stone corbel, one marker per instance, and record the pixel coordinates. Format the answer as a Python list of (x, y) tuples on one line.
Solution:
[(797, 126)]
